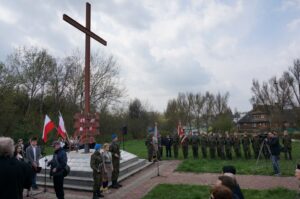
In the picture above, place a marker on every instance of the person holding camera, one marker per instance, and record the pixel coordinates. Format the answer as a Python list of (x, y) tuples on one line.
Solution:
[(273, 141), (57, 171)]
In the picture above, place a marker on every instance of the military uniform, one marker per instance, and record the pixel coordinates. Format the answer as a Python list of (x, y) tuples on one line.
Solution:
[(246, 146), (212, 146), (150, 147), (115, 153), (221, 146), (168, 143), (237, 146), (228, 147), (287, 144), (160, 147), (96, 164), (195, 141), (255, 145), (185, 146), (176, 142), (204, 143)]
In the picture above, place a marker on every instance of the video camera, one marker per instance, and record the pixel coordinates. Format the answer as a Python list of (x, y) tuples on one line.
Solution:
[(263, 136)]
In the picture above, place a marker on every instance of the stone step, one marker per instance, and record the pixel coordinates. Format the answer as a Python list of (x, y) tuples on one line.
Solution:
[(87, 180), (86, 183)]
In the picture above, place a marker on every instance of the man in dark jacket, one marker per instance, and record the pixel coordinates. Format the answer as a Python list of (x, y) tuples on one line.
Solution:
[(14, 174), (273, 142), (168, 143), (58, 165)]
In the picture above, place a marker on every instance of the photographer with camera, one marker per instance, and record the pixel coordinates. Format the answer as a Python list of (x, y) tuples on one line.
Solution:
[(58, 165), (273, 141)]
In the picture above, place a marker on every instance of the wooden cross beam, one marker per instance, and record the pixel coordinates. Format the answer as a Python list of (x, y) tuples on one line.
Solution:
[(88, 35)]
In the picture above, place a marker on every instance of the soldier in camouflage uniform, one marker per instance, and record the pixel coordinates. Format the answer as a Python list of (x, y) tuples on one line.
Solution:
[(195, 141), (149, 145), (204, 143), (176, 142), (185, 146), (116, 155), (212, 145), (237, 145), (96, 164), (228, 146), (160, 147), (246, 146), (221, 146), (287, 144), (255, 145)]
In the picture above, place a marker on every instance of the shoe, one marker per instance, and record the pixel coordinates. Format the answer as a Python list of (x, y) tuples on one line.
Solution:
[(119, 185)]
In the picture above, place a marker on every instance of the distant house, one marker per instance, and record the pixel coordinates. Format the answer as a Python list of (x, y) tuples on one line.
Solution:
[(260, 119)]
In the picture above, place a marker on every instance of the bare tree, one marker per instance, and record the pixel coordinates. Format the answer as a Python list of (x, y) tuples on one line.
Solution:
[(31, 68)]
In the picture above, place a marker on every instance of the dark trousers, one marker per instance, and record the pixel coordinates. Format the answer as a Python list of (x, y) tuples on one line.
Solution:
[(34, 179), (195, 152), (168, 152), (185, 151), (115, 173), (237, 151), (288, 153), (175, 148), (212, 152), (204, 152), (58, 181)]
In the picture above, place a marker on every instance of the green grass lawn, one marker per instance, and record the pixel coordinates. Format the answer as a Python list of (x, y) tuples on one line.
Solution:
[(243, 166), (264, 167), (168, 191)]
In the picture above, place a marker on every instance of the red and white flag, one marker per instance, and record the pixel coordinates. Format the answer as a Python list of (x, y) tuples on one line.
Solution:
[(181, 133), (48, 127), (61, 127)]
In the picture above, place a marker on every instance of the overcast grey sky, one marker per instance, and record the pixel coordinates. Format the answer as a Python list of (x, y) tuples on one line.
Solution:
[(165, 47)]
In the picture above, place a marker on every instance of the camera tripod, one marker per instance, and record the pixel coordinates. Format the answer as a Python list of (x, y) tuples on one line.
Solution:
[(262, 145), (45, 182)]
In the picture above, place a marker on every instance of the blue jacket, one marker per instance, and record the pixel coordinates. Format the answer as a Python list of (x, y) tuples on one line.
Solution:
[(59, 161)]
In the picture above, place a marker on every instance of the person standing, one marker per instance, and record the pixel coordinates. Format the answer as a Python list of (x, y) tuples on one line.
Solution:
[(14, 174), (96, 164), (149, 145), (57, 169), (107, 167), (255, 145), (287, 144), (116, 156), (185, 146), (237, 145), (176, 142), (160, 142), (212, 145), (195, 141), (221, 146), (246, 146), (33, 155), (203, 143), (168, 143), (273, 142), (228, 146)]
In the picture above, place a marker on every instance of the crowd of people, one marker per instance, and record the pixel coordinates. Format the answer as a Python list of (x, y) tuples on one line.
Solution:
[(223, 146)]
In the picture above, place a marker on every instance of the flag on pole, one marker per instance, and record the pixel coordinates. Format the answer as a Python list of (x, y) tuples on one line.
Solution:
[(48, 127), (61, 127), (181, 133)]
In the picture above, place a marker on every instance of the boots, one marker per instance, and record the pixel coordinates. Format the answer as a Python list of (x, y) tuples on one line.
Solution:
[(99, 194), (95, 196), (114, 184)]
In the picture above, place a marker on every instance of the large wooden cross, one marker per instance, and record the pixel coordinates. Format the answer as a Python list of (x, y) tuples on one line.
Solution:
[(88, 35)]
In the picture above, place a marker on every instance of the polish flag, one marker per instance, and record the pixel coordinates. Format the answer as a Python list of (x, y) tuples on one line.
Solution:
[(180, 130), (48, 127), (61, 127)]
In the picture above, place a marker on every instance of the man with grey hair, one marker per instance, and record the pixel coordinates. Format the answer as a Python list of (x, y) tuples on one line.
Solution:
[(13, 173)]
